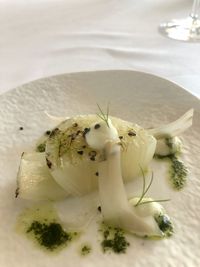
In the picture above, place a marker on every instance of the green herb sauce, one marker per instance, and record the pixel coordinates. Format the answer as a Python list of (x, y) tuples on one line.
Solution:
[(41, 147), (85, 250), (50, 235), (164, 224), (42, 226), (178, 171), (113, 240)]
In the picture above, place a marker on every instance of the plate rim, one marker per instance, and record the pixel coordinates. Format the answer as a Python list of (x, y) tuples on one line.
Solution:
[(101, 71)]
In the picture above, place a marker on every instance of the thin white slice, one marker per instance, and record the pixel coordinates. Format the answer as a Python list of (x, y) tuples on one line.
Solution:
[(174, 128)]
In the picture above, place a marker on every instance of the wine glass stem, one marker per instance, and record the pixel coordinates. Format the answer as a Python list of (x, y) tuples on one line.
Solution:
[(195, 9)]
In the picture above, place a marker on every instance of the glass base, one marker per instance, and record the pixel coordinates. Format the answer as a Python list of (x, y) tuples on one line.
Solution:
[(184, 29)]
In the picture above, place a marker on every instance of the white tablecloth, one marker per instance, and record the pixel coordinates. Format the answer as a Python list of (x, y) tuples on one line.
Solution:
[(40, 38)]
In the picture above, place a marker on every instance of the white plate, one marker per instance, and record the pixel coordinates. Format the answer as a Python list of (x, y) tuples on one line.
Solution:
[(138, 97)]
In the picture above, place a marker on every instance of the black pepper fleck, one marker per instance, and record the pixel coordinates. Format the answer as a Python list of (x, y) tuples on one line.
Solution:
[(84, 146), (75, 124), (48, 132), (80, 152), (86, 130), (121, 137), (96, 173), (17, 192), (92, 158), (99, 208), (49, 164), (97, 126), (131, 133), (21, 128)]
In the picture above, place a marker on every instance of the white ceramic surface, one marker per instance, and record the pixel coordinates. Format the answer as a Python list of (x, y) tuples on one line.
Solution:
[(139, 97)]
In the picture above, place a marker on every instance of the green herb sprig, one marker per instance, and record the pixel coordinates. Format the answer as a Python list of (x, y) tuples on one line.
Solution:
[(104, 116), (146, 189)]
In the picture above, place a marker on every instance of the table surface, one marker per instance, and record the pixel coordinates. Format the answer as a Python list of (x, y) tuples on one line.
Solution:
[(40, 38)]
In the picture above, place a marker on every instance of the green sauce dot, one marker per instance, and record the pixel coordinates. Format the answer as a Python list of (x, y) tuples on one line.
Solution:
[(114, 240), (85, 250), (49, 235), (41, 147)]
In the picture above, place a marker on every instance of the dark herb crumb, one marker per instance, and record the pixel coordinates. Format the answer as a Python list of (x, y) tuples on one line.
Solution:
[(86, 130), (92, 158), (85, 250), (54, 132), (17, 192), (75, 124), (97, 173), (49, 235), (21, 128), (114, 240), (48, 132), (99, 208), (84, 146), (131, 133), (49, 164), (97, 126), (120, 137), (41, 147), (80, 152)]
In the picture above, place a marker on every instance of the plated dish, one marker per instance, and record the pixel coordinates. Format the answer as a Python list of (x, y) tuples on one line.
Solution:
[(136, 97)]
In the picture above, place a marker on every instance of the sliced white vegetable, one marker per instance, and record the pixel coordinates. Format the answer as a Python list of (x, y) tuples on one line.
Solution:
[(34, 180), (78, 173), (174, 128)]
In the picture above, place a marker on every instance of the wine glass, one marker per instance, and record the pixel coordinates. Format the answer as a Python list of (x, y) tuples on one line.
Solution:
[(186, 29)]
